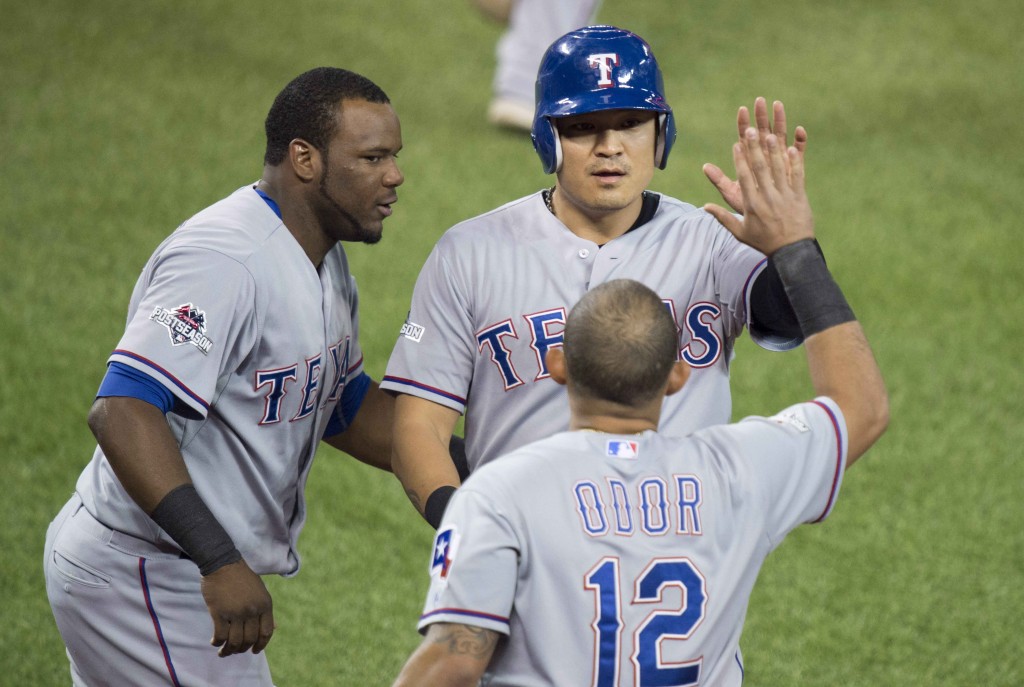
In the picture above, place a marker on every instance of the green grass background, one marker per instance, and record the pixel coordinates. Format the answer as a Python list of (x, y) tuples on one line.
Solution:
[(119, 119)]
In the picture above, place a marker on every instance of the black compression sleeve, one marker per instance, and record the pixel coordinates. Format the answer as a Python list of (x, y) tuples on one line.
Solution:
[(183, 515), (457, 449), (770, 310), (436, 503), (814, 295)]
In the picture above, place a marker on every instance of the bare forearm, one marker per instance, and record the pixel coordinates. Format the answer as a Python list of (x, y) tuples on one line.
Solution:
[(451, 655), (843, 368), (421, 459)]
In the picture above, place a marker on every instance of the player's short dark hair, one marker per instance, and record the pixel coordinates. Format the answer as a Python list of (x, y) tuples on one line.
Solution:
[(620, 343), (306, 108)]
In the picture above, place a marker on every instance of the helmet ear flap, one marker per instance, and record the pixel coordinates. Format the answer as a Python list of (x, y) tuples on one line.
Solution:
[(558, 147), (666, 136), (547, 144)]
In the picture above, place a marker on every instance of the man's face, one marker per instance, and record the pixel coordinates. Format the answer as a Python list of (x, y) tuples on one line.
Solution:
[(360, 172), (607, 159)]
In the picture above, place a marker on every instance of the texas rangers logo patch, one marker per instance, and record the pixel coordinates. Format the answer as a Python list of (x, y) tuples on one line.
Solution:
[(444, 552), (185, 324), (616, 448)]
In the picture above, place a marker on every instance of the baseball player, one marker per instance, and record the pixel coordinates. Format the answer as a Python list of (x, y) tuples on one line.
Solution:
[(492, 298), (241, 352), (632, 561), (531, 26)]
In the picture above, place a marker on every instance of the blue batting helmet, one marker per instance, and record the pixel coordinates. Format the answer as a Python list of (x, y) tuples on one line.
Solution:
[(598, 68)]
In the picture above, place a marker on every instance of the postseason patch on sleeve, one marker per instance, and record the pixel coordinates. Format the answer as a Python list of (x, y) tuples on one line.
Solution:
[(185, 324), (412, 331), (445, 544)]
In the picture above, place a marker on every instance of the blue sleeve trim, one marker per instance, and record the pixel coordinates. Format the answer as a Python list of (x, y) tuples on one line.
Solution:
[(122, 380), (351, 399)]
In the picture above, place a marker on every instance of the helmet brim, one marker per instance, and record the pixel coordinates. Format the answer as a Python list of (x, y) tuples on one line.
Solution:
[(600, 99)]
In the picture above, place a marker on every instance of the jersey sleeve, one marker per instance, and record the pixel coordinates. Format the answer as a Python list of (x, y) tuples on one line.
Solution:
[(736, 266), (192, 317), (433, 357), (473, 566), (792, 462)]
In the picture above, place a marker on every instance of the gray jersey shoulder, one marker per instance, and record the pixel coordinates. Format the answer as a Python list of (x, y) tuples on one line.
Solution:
[(256, 345)]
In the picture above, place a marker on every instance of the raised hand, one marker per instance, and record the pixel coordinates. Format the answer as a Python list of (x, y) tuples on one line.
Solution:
[(730, 189), (771, 181)]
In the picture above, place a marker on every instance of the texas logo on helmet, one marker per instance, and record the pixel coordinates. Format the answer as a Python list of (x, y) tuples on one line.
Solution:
[(185, 324), (604, 63), (598, 68)]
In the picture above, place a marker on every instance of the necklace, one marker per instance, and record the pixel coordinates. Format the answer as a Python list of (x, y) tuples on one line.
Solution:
[(547, 194)]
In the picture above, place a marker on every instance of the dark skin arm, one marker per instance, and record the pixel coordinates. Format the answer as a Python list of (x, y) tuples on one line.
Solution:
[(451, 655), (368, 438), (138, 443)]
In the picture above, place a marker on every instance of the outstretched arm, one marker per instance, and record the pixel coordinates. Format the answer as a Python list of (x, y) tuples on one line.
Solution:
[(451, 655), (778, 222)]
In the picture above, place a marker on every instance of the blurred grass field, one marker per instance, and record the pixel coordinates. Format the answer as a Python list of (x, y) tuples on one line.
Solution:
[(120, 119)]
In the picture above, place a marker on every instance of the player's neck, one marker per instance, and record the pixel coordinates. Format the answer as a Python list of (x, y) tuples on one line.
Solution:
[(612, 418), (298, 219), (594, 224)]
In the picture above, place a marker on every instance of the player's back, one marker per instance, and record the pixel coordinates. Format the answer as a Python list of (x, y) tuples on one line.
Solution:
[(637, 554)]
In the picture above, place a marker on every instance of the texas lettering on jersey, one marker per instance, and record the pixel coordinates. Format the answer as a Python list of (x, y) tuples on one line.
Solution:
[(276, 381), (545, 329)]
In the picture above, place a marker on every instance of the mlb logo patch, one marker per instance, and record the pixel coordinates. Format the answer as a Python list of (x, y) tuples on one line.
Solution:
[(185, 324), (444, 553), (616, 448)]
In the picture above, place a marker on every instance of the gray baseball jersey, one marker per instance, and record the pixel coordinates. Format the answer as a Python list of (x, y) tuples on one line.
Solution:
[(257, 346), (632, 561), (493, 296), (230, 315)]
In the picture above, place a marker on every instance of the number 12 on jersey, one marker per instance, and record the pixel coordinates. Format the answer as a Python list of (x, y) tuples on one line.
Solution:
[(648, 668)]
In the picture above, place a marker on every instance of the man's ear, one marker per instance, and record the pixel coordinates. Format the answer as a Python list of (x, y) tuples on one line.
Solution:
[(677, 377), (555, 360), (304, 159)]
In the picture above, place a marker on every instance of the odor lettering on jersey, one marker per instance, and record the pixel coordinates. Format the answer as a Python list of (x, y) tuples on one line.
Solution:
[(655, 507), (544, 331)]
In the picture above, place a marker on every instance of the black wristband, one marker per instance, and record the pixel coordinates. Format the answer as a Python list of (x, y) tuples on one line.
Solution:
[(457, 449), (436, 503), (183, 515), (814, 295)]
